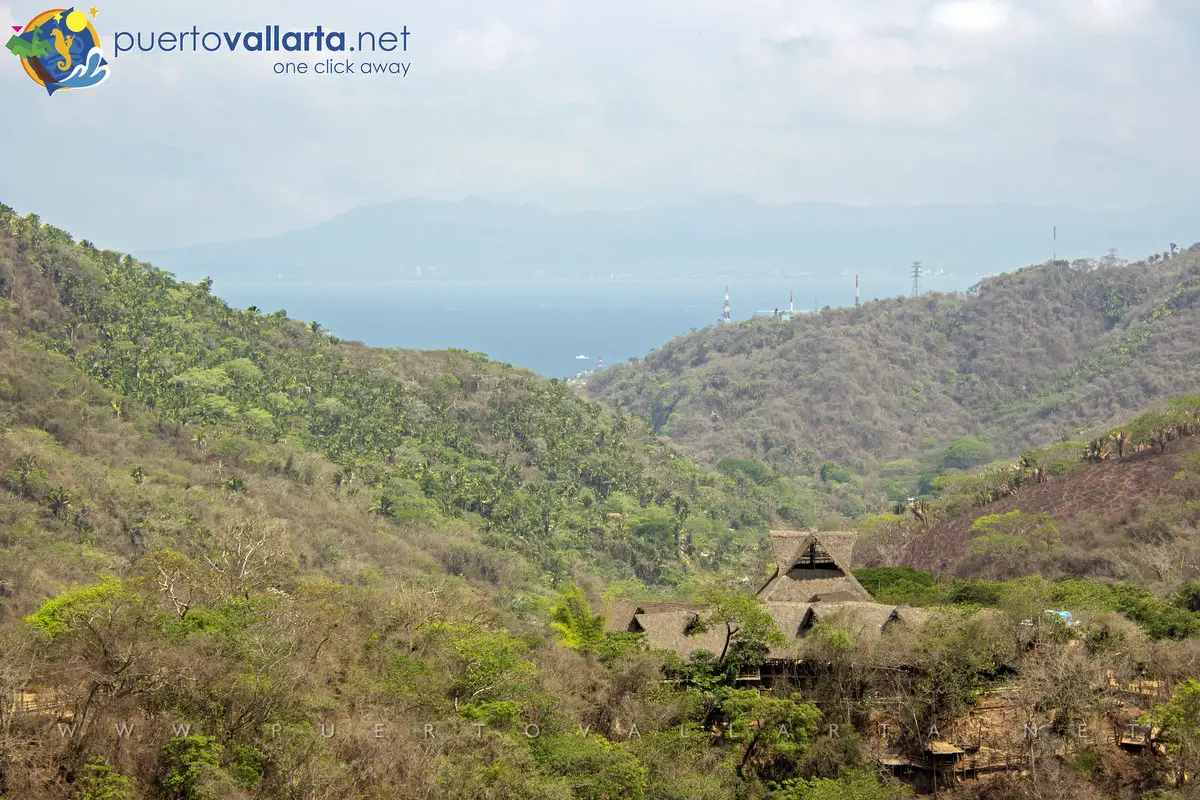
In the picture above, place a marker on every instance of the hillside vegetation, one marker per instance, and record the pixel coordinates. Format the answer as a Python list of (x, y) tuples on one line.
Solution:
[(1123, 506), (416, 438), (1020, 360), (243, 560), (224, 533)]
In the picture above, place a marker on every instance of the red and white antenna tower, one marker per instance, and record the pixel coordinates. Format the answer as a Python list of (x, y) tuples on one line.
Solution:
[(856, 300)]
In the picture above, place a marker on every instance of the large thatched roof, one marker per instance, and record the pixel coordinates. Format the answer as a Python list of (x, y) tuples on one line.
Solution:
[(790, 546), (812, 583), (789, 617), (910, 615), (811, 567)]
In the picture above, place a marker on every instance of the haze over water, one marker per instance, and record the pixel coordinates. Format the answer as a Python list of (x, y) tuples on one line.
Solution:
[(541, 326)]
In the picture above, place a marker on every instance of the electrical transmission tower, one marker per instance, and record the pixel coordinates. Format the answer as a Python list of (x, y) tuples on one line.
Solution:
[(916, 276)]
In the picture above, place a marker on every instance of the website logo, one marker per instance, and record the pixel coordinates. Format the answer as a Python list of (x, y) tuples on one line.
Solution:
[(60, 49)]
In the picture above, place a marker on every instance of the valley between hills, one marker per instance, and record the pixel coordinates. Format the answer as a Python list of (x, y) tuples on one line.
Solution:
[(775, 560)]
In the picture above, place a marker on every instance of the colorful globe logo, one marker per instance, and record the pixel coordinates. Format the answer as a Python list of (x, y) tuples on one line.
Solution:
[(60, 49)]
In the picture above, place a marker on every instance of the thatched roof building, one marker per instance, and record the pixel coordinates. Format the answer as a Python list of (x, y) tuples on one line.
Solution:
[(855, 618), (812, 567), (619, 616), (812, 583), (675, 630)]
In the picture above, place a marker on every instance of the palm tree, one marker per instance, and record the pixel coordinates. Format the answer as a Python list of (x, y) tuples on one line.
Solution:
[(1037, 470), (60, 500), (920, 510), (1122, 439), (384, 506), (1097, 450)]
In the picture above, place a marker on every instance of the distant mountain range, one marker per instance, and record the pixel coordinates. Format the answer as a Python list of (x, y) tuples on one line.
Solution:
[(474, 239)]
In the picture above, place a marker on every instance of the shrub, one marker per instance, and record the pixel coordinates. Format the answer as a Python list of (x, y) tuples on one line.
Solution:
[(753, 470), (598, 769), (189, 763), (101, 782), (833, 472), (965, 453)]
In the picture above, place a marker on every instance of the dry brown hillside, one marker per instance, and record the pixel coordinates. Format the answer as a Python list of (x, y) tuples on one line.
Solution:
[(1122, 518)]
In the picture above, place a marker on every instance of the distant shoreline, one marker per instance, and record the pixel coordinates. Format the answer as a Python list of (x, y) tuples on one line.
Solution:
[(539, 280)]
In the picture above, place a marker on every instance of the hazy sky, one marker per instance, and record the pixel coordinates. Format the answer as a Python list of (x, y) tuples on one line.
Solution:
[(618, 104)]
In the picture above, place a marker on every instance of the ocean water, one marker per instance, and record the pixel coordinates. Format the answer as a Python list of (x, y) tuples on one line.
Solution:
[(544, 327)]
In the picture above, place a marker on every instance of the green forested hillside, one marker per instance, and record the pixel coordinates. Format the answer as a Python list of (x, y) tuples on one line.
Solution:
[(243, 560), (415, 437), (1021, 360), (240, 558)]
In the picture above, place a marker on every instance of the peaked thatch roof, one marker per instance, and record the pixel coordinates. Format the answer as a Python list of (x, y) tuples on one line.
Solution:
[(812, 583), (620, 615), (790, 618), (782, 589), (789, 546), (793, 583)]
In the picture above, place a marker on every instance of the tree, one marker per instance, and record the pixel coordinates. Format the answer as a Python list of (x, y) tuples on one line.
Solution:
[(181, 581), (1122, 439), (572, 617), (101, 782), (772, 727), (491, 665), (96, 631), (1187, 596), (59, 500), (85, 608), (1017, 523), (966, 452), (597, 768), (1159, 428), (1097, 450), (242, 371), (191, 764), (754, 470), (247, 553), (26, 479), (1006, 544), (1179, 719), (832, 472), (749, 629), (858, 784)]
